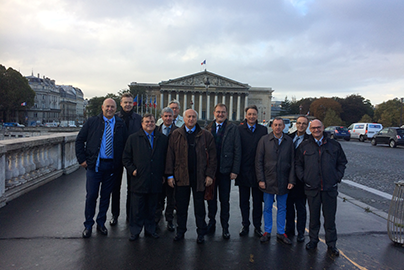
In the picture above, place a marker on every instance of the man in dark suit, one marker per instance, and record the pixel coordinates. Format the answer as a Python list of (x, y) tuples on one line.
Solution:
[(166, 128), (250, 133), (133, 124), (144, 159), (320, 164), (99, 148), (296, 197), (228, 153)]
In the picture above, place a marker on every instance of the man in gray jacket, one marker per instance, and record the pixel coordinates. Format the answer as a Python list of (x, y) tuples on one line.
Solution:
[(228, 153), (274, 166)]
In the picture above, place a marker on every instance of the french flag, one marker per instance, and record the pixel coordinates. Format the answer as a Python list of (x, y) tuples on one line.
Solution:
[(135, 101), (24, 104), (155, 102), (203, 63)]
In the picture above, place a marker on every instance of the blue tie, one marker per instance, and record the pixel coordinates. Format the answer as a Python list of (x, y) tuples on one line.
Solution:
[(150, 140), (319, 143), (252, 129), (108, 140)]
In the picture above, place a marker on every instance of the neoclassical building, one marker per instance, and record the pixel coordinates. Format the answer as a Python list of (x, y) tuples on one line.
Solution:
[(203, 90)]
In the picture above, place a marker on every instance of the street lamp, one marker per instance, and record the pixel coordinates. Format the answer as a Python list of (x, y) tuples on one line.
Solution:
[(207, 83), (401, 112)]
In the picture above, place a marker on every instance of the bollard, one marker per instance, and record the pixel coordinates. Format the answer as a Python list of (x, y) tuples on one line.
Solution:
[(395, 220)]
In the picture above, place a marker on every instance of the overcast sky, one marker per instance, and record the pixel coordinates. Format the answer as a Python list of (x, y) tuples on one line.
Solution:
[(300, 48)]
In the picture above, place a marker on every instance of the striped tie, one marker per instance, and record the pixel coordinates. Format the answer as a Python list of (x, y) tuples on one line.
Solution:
[(108, 140)]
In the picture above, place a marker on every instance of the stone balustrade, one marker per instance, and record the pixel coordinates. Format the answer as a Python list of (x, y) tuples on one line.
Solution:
[(26, 163)]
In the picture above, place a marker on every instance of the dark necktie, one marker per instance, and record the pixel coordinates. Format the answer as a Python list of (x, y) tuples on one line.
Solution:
[(167, 130), (108, 140), (296, 143), (252, 129), (319, 143), (218, 127), (150, 140)]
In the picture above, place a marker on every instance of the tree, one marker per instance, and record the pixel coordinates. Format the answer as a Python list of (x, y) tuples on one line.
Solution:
[(319, 107), (354, 107), (365, 119), (95, 103), (305, 106), (332, 119), (15, 92), (285, 106), (388, 113)]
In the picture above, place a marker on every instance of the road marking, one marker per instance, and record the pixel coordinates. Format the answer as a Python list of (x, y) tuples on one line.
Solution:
[(368, 189)]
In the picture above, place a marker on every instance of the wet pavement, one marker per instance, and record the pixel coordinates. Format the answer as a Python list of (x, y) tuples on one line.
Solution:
[(42, 230)]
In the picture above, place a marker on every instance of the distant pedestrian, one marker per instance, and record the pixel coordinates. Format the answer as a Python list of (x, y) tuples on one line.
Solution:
[(99, 148), (177, 118), (320, 164), (274, 165)]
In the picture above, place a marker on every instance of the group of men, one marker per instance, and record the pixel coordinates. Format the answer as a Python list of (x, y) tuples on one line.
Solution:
[(169, 161)]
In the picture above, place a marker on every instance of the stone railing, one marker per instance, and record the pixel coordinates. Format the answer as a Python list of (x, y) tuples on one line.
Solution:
[(27, 163)]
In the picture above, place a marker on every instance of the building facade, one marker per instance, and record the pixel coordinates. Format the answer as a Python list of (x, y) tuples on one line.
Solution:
[(203, 90)]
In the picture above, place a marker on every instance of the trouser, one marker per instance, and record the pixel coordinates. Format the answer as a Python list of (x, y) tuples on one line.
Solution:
[(168, 192), (296, 199), (244, 194), (281, 213), (116, 195), (105, 178), (182, 196), (143, 207), (327, 200), (222, 187)]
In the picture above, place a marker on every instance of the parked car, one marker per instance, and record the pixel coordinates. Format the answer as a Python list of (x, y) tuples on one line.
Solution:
[(19, 125), (338, 132), (364, 131), (392, 136)]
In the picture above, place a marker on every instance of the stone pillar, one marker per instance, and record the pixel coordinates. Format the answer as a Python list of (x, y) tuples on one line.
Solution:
[(169, 98), (231, 107), (200, 105), (193, 101), (215, 99), (238, 107), (245, 103), (185, 106), (224, 98), (207, 107), (177, 97), (161, 101)]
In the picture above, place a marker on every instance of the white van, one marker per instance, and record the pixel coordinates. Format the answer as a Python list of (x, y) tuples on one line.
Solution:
[(364, 131)]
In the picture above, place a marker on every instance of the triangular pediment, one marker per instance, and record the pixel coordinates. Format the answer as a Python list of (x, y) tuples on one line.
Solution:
[(199, 80)]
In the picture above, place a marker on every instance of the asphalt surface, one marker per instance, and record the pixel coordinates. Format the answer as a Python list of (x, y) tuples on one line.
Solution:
[(42, 230)]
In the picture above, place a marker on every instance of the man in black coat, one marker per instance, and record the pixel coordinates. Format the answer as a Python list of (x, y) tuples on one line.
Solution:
[(99, 148), (166, 128), (144, 159), (133, 124), (320, 164), (296, 197), (228, 152), (250, 133)]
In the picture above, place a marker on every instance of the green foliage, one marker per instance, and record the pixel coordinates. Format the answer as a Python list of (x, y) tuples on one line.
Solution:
[(332, 119), (354, 107), (290, 107), (134, 90), (95, 103), (365, 119), (388, 113), (285, 106), (320, 106), (14, 90)]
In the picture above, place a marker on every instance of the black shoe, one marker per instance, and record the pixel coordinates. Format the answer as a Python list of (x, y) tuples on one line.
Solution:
[(133, 237), (258, 232), (333, 251), (265, 237), (102, 229), (244, 230), (211, 228), (113, 221), (300, 238), (178, 237), (283, 238), (170, 226), (226, 234), (153, 235), (311, 246), (200, 239), (290, 234), (87, 233)]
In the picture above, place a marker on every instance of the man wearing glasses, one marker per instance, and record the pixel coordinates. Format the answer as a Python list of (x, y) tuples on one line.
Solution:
[(320, 164)]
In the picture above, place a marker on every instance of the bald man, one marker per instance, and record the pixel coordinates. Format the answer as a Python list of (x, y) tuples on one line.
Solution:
[(99, 149), (320, 164)]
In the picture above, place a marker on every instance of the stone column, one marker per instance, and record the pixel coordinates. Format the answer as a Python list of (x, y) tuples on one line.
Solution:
[(161, 100), (231, 107), (200, 105), (184, 106), (193, 101), (207, 106), (177, 97), (238, 106), (245, 103), (169, 98), (215, 99), (224, 98)]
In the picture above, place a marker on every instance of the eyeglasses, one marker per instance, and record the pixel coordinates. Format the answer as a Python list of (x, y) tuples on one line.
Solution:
[(315, 127), (300, 123)]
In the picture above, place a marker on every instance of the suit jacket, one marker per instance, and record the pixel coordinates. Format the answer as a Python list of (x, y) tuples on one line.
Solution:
[(160, 129), (135, 124), (149, 162)]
